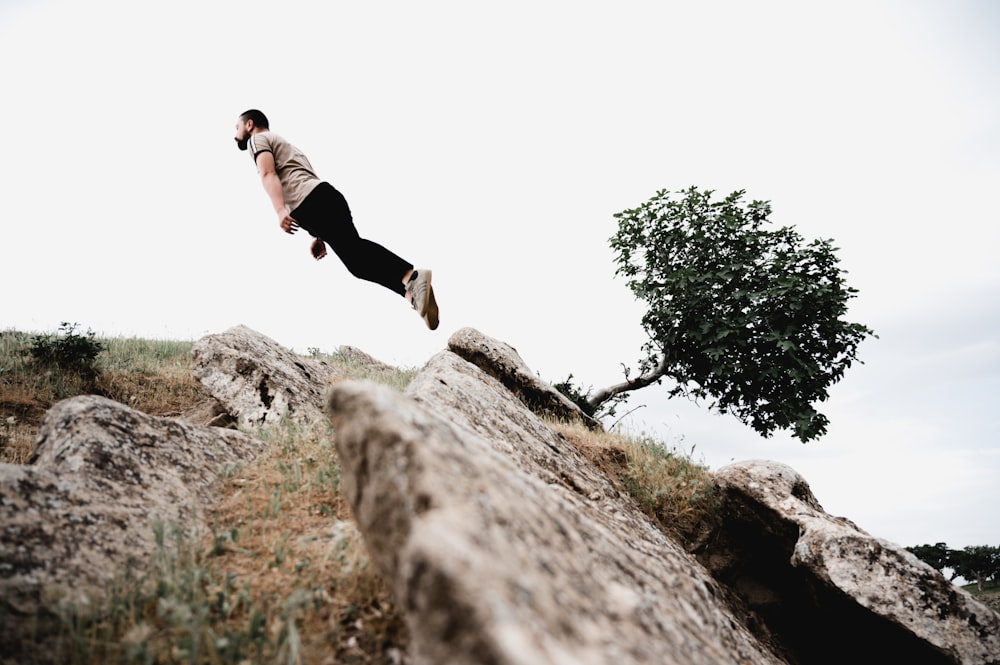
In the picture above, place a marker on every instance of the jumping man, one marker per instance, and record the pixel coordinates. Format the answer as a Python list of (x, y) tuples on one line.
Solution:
[(302, 200)]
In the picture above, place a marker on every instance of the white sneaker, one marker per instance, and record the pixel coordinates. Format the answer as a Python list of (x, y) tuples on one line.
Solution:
[(422, 297)]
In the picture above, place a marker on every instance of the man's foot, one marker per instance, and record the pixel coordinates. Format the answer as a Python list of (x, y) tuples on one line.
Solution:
[(421, 296)]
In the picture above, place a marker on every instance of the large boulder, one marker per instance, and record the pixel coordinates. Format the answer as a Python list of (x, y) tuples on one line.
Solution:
[(259, 381), (502, 361), (504, 545), (836, 593), (103, 477)]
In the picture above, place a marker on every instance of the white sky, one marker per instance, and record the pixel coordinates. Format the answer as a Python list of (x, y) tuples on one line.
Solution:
[(493, 143)]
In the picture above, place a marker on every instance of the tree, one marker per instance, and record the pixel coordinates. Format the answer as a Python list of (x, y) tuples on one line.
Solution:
[(748, 317), (937, 556), (977, 562)]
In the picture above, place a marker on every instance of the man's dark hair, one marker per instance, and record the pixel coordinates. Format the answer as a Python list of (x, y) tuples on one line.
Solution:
[(259, 119)]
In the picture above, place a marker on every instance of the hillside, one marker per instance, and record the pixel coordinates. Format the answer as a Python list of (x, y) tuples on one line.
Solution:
[(292, 561), (263, 582)]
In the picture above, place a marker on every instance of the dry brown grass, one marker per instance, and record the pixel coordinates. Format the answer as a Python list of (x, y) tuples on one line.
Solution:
[(668, 485), (149, 375), (283, 526), (280, 576)]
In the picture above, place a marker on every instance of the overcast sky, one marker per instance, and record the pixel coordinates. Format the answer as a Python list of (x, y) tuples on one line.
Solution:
[(493, 143)]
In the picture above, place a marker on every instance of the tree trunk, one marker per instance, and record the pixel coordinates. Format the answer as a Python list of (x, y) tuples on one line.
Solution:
[(604, 395)]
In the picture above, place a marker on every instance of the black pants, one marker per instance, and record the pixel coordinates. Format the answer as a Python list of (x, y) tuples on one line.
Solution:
[(325, 215)]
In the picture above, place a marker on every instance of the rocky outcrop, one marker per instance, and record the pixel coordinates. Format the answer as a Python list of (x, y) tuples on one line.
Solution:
[(505, 545), (259, 381), (503, 363), (806, 572), (103, 476)]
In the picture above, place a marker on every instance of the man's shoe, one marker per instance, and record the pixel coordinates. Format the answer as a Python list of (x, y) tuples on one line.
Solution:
[(422, 297)]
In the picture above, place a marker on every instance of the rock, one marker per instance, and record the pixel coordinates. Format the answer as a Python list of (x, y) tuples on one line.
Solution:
[(502, 362), (505, 546), (448, 383), (102, 477), (818, 579), (209, 412), (259, 381), (358, 357)]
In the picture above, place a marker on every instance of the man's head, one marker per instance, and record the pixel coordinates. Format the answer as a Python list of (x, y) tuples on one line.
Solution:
[(249, 122)]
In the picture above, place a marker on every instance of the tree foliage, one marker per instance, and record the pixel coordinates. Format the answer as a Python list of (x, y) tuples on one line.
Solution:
[(976, 563), (746, 316), (581, 397), (937, 556)]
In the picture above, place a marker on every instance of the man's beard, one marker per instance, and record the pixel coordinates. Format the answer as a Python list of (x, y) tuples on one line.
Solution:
[(242, 145)]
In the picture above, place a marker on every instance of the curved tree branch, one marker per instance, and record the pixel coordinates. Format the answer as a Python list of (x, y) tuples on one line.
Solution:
[(604, 395)]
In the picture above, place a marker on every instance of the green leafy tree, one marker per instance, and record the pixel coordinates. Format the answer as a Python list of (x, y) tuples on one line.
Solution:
[(977, 562), (938, 556), (747, 316)]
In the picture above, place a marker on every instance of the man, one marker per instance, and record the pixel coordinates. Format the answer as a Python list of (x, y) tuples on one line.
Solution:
[(302, 200)]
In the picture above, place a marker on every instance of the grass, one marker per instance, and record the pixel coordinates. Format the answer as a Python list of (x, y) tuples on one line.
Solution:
[(667, 484), (153, 376), (989, 595), (281, 574)]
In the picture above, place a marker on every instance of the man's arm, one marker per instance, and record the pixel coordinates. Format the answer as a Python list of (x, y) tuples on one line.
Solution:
[(269, 178)]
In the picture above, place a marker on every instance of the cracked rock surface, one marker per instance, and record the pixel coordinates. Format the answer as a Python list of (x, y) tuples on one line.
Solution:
[(806, 572), (505, 545), (258, 380), (102, 477)]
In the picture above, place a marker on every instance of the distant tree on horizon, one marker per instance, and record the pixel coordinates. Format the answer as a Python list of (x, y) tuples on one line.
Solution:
[(938, 556), (748, 317), (976, 563)]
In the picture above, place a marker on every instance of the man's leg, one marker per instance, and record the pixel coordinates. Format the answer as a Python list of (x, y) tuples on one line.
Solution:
[(326, 215)]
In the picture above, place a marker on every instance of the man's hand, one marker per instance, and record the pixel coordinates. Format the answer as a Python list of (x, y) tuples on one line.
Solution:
[(272, 185), (318, 249), (287, 224)]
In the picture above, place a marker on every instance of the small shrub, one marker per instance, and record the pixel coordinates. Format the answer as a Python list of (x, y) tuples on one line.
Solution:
[(581, 398), (69, 350)]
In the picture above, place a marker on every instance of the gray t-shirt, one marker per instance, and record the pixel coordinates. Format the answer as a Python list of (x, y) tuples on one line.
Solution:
[(292, 166)]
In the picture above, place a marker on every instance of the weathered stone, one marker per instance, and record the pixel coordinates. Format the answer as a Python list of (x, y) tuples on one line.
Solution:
[(502, 362), (103, 475), (505, 546), (452, 386), (807, 572), (358, 357), (209, 412), (259, 381)]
